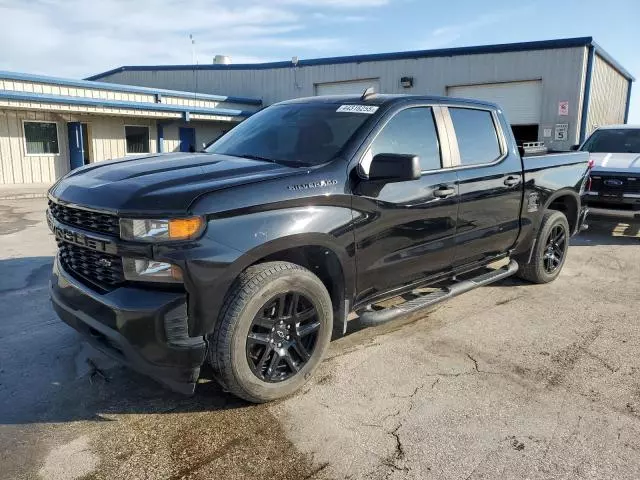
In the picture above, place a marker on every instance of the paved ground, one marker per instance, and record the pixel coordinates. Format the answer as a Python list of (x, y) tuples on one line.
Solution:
[(510, 381)]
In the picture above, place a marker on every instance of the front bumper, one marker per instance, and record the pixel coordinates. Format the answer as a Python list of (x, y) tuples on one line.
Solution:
[(624, 201), (143, 329)]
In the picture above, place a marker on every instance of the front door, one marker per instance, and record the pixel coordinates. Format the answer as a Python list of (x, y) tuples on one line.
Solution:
[(76, 145), (405, 231), (490, 187), (85, 144), (187, 139)]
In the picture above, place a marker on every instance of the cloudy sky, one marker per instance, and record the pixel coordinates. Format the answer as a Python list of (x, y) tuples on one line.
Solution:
[(77, 38)]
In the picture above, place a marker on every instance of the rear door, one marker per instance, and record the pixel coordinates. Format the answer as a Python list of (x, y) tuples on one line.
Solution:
[(405, 231), (490, 183)]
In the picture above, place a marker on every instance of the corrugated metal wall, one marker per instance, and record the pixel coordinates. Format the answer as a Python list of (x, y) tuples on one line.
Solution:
[(18, 167), (608, 96), (106, 141), (205, 132), (107, 138), (561, 72)]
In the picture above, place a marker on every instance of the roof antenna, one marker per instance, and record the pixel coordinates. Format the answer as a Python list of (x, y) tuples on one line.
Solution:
[(367, 93)]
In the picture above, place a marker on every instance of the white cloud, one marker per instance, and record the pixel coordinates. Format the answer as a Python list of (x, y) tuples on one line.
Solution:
[(81, 37), (335, 3), (448, 34), (339, 18)]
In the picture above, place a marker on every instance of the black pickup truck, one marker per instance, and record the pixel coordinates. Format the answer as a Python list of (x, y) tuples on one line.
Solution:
[(251, 255)]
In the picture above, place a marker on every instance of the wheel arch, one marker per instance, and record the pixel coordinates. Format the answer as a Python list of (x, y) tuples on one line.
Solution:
[(316, 252), (568, 202)]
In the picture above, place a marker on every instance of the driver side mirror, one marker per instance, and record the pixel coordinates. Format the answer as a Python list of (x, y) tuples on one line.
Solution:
[(574, 147), (393, 167)]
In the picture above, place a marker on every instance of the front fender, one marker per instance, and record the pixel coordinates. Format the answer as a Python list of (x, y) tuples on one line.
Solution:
[(232, 244)]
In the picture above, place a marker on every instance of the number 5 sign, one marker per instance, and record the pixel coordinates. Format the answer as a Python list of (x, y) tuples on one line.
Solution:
[(563, 108)]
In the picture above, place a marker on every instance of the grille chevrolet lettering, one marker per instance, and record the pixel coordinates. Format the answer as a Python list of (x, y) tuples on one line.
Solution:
[(80, 239)]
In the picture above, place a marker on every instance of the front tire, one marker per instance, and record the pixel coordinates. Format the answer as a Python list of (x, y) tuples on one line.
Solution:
[(273, 331), (550, 251)]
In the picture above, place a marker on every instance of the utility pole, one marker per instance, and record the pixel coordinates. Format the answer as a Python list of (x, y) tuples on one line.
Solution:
[(193, 49)]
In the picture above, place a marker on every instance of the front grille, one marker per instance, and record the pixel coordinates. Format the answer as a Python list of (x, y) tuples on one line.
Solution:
[(101, 269), (628, 185), (85, 219)]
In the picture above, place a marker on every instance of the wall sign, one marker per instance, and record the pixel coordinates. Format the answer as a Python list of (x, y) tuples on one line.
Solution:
[(562, 130), (563, 108), (546, 132)]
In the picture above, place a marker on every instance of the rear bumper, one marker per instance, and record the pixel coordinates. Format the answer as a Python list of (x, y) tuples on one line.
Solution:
[(143, 329)]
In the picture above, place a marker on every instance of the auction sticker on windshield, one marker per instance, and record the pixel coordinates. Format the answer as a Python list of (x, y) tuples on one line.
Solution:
[(369, 109)]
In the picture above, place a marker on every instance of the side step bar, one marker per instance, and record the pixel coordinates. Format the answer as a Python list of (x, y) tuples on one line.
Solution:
[(376, 317)]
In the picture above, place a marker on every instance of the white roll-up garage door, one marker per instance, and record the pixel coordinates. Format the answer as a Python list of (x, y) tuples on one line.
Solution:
[(521, 101), (351, 87)]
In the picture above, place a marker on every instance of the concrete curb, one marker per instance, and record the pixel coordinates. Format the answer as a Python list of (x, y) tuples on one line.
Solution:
[(20, 196)]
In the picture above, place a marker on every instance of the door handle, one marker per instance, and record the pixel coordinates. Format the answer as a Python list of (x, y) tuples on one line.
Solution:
[(444, 192), (511, 181)]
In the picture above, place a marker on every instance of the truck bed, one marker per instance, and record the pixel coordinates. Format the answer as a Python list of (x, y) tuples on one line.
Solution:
[(551, 160)]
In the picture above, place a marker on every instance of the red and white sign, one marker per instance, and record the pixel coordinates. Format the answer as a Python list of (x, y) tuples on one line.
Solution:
[(563, 108)]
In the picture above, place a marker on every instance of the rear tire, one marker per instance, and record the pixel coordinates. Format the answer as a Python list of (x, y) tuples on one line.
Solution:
[(550, 251), (273, 331)]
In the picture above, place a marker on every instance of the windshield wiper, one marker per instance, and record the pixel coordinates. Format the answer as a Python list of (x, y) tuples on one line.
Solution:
[(256, 157), (288, 163)]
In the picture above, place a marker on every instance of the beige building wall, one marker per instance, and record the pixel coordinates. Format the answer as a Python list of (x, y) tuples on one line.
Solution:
[(16, 166), (106, 141), (205, 132)]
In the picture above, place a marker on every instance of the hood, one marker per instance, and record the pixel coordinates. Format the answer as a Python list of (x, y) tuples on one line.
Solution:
[(160, 183), (616, 162)]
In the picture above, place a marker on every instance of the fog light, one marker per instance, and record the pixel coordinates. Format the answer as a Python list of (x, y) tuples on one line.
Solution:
[(145, 270)]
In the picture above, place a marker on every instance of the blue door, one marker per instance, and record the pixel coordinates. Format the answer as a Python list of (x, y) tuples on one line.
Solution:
[(187, 139), (76, 145)]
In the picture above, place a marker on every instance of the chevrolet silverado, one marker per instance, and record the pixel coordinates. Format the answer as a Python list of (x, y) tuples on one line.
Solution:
[(252, 254)]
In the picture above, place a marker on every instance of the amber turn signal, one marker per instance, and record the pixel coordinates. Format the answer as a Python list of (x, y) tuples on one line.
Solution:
[(183, 228)]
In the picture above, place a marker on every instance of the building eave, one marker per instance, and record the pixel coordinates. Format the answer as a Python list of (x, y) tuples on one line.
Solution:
[(115, 87), (118, 104)]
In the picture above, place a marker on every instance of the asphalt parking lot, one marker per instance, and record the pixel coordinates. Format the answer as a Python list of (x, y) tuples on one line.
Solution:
[(508, 381)]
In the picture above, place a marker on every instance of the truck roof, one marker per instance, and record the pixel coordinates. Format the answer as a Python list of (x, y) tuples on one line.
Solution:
[(385, 98)]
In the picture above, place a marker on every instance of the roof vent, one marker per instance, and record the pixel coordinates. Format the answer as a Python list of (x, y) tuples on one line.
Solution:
[(222, 60)]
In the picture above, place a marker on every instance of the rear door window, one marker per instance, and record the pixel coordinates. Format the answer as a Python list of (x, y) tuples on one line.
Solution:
[(477, 136)]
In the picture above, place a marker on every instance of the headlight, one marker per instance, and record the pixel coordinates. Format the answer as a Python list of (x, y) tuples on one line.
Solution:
[(151, 230), (144, 270)]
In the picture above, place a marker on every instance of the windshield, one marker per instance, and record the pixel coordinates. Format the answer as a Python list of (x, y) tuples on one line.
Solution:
[(302, 134), (622, 140)]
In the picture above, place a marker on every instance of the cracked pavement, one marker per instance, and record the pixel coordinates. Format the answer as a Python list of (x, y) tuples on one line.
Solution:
[(509, 381)]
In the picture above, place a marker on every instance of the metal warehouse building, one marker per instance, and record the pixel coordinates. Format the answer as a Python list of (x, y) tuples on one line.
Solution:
[(51, 125), (554, 91)]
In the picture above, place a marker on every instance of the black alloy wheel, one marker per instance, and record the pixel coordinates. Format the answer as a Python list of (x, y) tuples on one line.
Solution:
[(282, 337), (555, 248)]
